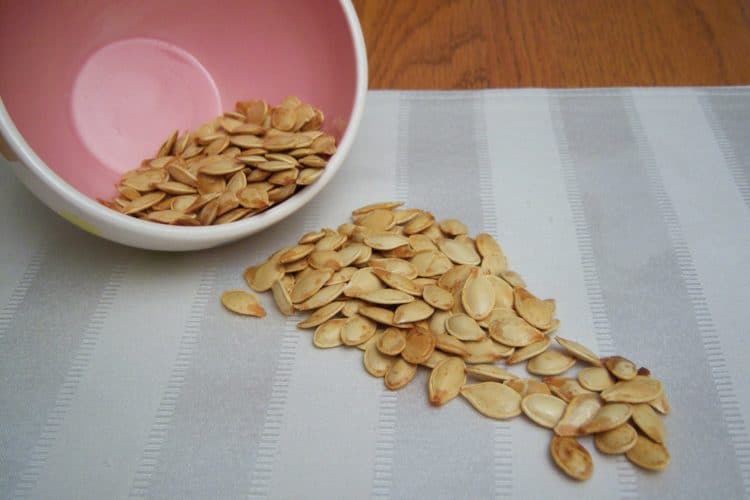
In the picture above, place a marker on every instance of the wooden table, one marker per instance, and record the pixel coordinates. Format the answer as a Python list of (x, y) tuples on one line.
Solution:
[(444, 44)]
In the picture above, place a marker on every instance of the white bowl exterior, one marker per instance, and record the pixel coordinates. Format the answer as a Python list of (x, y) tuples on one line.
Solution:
[(97, 219)]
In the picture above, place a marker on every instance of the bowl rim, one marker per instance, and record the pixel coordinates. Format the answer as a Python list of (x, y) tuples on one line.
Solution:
[(220, 233)]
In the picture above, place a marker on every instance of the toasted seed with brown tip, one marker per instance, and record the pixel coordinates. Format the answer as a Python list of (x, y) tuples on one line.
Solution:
[(419, 346), (648, 454), (607, 418), (376, 363), (649, 422), (638, 390), (572, 458), (543, 409), (399, 374), (580, 410), (595, 378), (620, 367), (493, 399), (392, 342), (328, 334), (514, 332), (617, 440), (537, 312), (579, 351), (551, 362), (446, 380), (242, 302), (487, 245)]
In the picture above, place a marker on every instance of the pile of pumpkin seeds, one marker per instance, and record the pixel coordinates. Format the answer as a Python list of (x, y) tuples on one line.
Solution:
[(410, 291), (230, 168)]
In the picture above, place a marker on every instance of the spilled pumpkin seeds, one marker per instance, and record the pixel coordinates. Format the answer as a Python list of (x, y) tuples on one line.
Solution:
[(230, 168), (411, 291)]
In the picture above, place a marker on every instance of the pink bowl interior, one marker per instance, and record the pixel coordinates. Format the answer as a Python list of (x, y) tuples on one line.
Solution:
[(95, 87)]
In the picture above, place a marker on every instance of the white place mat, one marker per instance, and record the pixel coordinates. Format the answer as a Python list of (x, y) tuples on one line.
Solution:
[(122, 376)]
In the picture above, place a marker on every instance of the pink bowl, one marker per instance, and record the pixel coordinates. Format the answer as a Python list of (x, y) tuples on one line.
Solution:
[(89, 89)]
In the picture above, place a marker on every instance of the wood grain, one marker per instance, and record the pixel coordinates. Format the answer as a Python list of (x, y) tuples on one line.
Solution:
[(452, 44)]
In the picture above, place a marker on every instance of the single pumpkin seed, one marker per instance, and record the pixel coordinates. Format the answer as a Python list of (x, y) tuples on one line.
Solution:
[(376, 363), (551, 362), (608, 417), (579, 411), (437, 297), (490, 373), (399, 374), (514, 332), (411, 312), (328, 334), (281, 297), (357, 329), (543, 409), (397, 281), (459, 253), (450, 344), (616, 441), (309, 283), (392, 342), (537, 312), (493, 399), (529, 351), (325, 313), (446, 380), (485, 351), (595, 378), (648, 454), (463, 327), (579, 351), (620, 367), (638, 390), (242, 302), (478, 296), (419, 346), (572, 458), (649, 422)]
